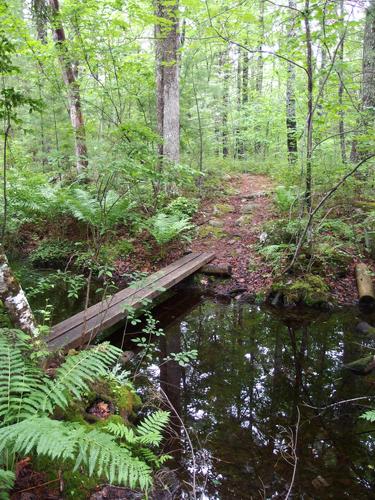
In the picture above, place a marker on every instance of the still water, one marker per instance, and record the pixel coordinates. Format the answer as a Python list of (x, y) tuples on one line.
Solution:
[(259, 373)]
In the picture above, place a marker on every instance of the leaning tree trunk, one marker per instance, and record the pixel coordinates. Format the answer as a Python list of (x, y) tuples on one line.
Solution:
[(291, 120), (14, 299), (360, 151), (69, 71), (167, 80)]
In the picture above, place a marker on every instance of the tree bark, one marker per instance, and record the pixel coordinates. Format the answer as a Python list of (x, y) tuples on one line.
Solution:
[(69, 72), (341, 89), (167, 80), (224, 65), (310, 109), (259, 71), (291, 120), (360, 151), (14, 299)]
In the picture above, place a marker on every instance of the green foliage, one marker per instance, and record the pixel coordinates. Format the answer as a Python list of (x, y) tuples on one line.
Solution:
[(182, 207), (52, 253), (285, 197), (165, 228), (28, 399), (369, 416), (7, 478)]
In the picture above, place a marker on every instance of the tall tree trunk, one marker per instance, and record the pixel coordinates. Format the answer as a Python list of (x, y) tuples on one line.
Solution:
[(14, 299), (69, 71), (239, 147), (341, 89), (310, 89), (224, 64), (291, 120), (39, 13), (259, 71), (167, 80), (359, 151)]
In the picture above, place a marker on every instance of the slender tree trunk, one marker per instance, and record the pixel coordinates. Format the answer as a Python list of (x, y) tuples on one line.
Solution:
[(259, 72), (309, 125), (224, 64), (360, 151), (167, 80), (341, 90), (39, 13), (239, 147), (69, 71), (14, 299), (291, 120)]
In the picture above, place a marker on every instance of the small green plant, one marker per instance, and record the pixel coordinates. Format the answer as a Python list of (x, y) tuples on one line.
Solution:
[(285, 197), (182, 206), (52, 253), (165, 228)]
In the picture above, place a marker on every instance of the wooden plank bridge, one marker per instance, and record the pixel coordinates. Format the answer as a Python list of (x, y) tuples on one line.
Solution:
[(85, 326)]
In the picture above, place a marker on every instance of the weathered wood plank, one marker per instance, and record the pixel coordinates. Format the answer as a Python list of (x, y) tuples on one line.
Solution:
[(84, 326)]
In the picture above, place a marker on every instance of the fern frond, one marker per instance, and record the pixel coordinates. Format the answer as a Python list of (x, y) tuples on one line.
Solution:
[(97, 451), (73, 378), (17, 378), (122, 431), (7, 479), (150, 430), (369, 416)]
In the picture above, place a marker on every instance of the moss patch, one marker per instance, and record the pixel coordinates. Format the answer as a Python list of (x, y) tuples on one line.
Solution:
[(209, 231), (310, 290), (223, 208)]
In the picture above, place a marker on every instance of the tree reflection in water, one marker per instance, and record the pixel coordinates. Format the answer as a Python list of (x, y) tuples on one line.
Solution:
[(239, 399)]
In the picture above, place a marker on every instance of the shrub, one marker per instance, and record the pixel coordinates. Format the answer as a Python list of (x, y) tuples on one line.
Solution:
[(182, 206), (285, 197), (52, 253)]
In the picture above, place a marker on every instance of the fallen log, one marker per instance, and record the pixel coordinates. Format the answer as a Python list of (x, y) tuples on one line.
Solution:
[(364, 285), (217, 270)]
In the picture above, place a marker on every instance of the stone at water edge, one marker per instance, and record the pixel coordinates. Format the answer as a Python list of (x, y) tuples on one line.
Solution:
[(364, 327)]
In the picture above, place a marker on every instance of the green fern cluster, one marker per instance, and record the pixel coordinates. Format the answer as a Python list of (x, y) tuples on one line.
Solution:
[(28, 400)]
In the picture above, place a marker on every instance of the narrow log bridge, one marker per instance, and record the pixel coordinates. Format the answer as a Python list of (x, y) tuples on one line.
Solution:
[(83, 327)]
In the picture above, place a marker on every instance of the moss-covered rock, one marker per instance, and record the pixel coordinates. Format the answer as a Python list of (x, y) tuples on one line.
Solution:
[(207, 230), (222, 209), (309, 289)]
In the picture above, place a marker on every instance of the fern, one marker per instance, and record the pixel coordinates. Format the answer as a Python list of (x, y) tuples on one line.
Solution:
[(28, 398), (25, 391), (165, 228), (7, 479), (148, 432), (369, 415), (97, 451)]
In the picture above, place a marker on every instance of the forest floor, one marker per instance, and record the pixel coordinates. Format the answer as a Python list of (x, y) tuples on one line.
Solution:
[(231, 226)]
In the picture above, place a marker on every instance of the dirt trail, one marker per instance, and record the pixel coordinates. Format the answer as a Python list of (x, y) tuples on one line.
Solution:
[(231, 226)]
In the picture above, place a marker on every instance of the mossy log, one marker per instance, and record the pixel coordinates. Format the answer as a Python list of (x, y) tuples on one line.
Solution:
[(217, 270), (368, 206), (365, 286), (362, 366)]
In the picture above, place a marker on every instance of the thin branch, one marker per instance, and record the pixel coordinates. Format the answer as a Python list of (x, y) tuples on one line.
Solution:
[(319, 205)]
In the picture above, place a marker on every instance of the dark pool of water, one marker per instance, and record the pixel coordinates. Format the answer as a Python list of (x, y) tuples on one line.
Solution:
[(258, 372)]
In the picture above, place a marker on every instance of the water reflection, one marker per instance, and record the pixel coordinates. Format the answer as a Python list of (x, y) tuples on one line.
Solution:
[(239, 400)]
